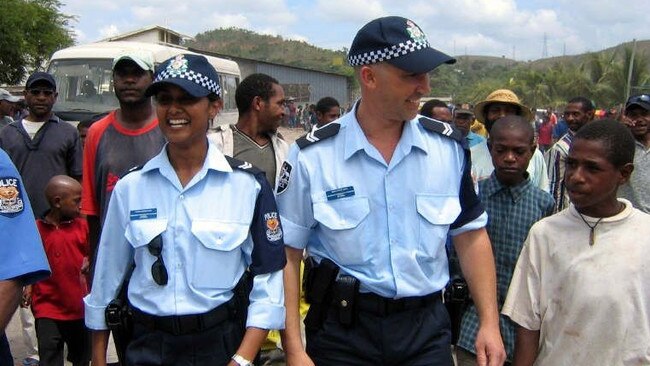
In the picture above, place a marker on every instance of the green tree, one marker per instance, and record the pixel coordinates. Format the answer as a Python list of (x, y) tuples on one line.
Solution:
[(31, 31)]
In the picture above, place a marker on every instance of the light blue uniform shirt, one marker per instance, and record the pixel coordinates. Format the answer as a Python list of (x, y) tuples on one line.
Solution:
[(211, 232), (384, 224), (22, 256)]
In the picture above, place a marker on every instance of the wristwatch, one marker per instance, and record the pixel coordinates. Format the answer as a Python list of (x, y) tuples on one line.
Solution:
[(241, 361)]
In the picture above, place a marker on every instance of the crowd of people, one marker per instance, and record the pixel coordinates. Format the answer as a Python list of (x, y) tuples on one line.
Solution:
[(393, 234)]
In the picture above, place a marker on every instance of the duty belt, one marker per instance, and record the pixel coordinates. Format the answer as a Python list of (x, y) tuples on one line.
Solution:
[(382, 306), (183, 324)]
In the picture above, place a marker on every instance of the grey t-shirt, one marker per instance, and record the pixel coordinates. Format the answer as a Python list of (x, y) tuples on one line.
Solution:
[(637, 190), (263, 157)]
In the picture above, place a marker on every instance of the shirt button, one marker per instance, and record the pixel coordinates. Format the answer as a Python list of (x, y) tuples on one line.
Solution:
[(182, 197)]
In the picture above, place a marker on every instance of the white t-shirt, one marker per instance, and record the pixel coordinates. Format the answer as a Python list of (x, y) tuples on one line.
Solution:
[(32, 127), (591, 304)]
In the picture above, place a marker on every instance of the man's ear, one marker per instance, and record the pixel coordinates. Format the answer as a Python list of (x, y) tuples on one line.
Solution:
[(56, 202), (626, 172), (367, 75), (257, 103)]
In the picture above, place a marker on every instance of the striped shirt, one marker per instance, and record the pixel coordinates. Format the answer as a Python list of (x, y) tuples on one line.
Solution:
[(511, 213), (555, 162)]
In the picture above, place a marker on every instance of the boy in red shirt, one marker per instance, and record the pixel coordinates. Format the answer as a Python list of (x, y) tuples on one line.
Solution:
[(57, 301)]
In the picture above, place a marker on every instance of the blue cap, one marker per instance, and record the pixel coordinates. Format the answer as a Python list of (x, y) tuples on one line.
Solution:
[(40, 76), (398, 41), (192, 73), (642, 100)]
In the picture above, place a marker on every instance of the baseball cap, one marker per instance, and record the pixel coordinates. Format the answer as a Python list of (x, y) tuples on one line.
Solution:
[(192, 73), (398, 41), (5, 95), (466, 112), (40, 76), (642, 100), (142, 59)]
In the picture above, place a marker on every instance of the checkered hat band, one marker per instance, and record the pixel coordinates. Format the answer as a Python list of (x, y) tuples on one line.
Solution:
[(387, 53), (190, 75)]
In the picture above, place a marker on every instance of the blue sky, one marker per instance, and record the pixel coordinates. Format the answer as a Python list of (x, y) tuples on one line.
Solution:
[(475, 27)]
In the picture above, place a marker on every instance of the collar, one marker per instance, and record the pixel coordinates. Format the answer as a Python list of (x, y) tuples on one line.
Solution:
[(214, 160), (356, 140), (43, 219), (492, 186), (627, 211)]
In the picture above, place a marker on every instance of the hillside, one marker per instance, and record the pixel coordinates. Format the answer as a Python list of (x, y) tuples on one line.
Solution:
[(600, 75), (248, 44)]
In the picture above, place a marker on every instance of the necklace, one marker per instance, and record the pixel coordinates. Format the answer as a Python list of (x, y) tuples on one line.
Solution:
[(592, 228)]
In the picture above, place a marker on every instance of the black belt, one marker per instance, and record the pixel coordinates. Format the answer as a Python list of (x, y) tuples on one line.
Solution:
[(183, 324), (382, 306)]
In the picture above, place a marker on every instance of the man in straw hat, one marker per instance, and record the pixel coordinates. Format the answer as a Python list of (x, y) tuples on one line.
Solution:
[(501, 103), (362, 186)]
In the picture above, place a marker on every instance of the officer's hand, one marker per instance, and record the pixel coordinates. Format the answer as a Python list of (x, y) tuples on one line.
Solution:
[(299, 358), (489, 347)]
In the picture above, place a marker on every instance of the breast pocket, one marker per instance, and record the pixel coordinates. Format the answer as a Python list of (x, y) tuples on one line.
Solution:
[(219, 259), (435, 214), (345, 231), (139, 233)]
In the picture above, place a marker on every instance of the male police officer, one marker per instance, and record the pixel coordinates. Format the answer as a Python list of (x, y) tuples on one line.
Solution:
[(381, 188)]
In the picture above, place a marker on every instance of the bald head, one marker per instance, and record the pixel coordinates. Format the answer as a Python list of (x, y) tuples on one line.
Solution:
[(514, 123), (61, 186)]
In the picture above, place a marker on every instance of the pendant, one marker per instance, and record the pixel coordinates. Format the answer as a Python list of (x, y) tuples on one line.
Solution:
[(592, 237)]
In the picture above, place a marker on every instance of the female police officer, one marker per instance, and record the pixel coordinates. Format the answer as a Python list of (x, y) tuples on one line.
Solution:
[(192, 221)]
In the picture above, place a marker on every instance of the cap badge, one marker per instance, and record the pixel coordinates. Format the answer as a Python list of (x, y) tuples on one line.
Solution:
[(415, 32), (177, 66)]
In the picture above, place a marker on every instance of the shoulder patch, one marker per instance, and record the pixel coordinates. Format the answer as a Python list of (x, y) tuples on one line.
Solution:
[(285, 176), (327, 131), (442, 128), (11, 196), (237, 164)]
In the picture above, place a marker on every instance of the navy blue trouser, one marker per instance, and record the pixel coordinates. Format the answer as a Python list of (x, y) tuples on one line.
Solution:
[(408, 338), (5, 352), (211, 347)]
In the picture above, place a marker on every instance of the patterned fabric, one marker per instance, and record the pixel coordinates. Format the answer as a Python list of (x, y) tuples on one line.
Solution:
[(555, 163), (195, 77), (511, 213), (388, 53)]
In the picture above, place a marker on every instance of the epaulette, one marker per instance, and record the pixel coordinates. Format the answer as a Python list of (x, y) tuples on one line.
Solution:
[(243, 165), (442, 128), (131, 170), (319, 134)]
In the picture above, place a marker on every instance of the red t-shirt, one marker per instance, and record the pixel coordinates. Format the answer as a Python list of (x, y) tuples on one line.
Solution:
[(110, 151), (545, 134), (60, 297)]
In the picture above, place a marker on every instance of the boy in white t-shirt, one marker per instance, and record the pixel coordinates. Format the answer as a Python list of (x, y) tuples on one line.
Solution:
[(580, 293)]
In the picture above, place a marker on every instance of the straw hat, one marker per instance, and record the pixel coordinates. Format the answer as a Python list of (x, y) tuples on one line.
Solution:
[(501, 96)]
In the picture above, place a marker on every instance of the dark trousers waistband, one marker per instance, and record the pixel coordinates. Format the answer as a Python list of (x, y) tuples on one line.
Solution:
[(382, 306), (183, 324)]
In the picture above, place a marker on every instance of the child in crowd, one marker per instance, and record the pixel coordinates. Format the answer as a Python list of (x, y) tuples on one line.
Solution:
[(580, 292), (57, 302), (513, 204)]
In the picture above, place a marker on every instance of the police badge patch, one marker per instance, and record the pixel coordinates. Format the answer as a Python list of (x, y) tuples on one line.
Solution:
[(283, 180), (273, 229), (11, 200)]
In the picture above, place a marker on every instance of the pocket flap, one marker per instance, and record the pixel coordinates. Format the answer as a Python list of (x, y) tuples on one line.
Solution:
[(342, 214), (439, 209), (220, 235), (140, 232)]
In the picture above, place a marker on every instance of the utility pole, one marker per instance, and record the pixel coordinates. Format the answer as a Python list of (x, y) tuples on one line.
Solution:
[(630, 69), (545, 49)]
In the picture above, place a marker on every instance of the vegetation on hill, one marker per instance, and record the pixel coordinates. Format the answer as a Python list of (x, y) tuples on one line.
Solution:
[(275, 49), (601, 76)]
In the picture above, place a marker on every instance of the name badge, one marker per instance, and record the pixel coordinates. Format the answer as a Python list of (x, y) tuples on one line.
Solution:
[(338, 193), (144, 214)]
